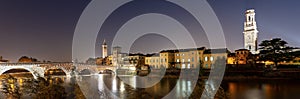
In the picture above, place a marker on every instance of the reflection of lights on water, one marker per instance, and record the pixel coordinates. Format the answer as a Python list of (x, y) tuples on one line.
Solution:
[(122, 87), (178, 86), (189, 86), (267, 89), (21, 82), (210, 85), (253, 94), (12, 86), (133, 81), (232, 89), (114, 85), (100, 82), (183, 88)]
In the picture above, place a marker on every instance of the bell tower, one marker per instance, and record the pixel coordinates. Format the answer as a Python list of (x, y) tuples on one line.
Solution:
[(104, 49), (250, 31)]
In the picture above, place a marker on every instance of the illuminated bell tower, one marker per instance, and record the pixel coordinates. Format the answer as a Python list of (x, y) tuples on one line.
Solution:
[(250, 31), (104, 49)]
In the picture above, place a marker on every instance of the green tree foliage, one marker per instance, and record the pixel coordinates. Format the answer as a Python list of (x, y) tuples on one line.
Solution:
[(275, 50)]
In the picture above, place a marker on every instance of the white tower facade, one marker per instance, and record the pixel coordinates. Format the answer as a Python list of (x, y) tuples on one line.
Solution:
[(104, 49), (250, 31)]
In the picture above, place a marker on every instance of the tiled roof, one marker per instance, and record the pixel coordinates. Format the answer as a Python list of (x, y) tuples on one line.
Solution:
[(216, 51), (183, 50)]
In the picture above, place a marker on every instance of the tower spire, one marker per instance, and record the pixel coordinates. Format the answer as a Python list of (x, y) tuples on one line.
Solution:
[(104, 42)]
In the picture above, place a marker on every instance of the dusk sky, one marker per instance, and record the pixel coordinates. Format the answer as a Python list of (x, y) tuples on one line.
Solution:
[(44, 29)]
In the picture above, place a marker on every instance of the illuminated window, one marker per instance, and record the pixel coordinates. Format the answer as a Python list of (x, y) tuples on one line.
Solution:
[(206, 58), (177, 60), (189, 66), (182, 60), (189, 60), (211, 58), (183, 66), (177, 54)]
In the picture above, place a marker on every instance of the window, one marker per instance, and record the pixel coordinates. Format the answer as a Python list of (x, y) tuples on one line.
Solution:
[(192, 59), (183, 66), (189, 66), (206, 58), (182, 54), (177, 60), (189, 60), (211, 58), (249, 18), (192, 65), (183, 60), (177, 54), (206, 65)]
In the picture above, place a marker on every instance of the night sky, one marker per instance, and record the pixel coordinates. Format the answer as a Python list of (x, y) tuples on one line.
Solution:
[(44, 29)]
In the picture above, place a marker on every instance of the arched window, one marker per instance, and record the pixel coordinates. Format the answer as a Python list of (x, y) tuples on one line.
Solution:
[(206, 58)]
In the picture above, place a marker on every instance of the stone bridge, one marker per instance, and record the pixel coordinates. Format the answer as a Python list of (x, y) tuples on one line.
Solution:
[(39, 69)]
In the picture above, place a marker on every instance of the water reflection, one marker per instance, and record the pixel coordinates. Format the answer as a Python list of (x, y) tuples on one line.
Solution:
[(115, 87), (95, 87), (273, 89), (110, 87)]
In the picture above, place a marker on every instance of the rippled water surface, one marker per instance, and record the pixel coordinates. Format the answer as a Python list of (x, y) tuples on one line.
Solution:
[(109, 86)]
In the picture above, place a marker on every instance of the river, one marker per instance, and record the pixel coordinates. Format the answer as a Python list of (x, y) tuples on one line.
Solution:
[(109, 86)]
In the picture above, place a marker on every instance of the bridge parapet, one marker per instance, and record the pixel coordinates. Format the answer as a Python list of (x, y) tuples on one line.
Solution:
[(39, 69)]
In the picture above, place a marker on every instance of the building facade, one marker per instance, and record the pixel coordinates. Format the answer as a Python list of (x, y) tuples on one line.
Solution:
[(167, 58), (242, 56), (186, 58), (189, 58), (153, 60), (212, 56)]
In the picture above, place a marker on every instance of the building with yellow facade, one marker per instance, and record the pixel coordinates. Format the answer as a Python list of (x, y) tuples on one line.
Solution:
[(186, 58), (211, 56)]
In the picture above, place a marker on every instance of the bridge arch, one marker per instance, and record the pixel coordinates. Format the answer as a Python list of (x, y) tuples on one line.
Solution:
[(57, 68), (33, 73), (107, 71), (86, 72)]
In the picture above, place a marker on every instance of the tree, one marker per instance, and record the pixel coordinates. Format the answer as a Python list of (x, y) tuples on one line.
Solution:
[(275, 50)]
